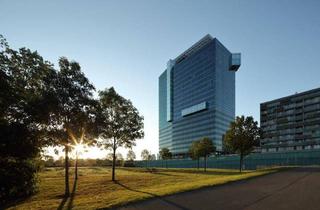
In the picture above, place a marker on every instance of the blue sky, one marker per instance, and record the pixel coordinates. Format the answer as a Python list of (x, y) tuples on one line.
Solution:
[(126, 44)]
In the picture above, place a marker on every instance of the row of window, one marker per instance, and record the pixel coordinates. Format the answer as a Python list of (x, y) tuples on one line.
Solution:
[(276, 149)]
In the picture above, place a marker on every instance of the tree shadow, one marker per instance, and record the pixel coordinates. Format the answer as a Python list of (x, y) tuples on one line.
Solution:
[(208, 172), (165, 174), (153, 195), (64, 200), (70, 198)]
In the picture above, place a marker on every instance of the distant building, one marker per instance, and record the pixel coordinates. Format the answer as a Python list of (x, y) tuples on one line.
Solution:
[(291, 123), (197, 96)]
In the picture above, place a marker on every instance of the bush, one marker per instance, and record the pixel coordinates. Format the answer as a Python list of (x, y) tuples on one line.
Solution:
[(18, 179), (128, 163)]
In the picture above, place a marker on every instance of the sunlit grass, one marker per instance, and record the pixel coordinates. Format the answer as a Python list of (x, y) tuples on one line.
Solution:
[(95, 189)]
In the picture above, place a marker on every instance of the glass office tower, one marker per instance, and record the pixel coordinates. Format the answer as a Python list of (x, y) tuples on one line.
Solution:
[(197, 96)]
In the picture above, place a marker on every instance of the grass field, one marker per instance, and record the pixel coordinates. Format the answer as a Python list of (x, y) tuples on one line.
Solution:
[(94, 188)]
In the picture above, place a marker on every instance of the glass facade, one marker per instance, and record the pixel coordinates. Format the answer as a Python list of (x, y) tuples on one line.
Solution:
[(200, 85), (291, 123)]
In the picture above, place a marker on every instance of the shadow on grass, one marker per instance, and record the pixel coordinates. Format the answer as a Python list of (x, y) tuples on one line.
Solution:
[(70, 198), (165, 171), (153, 195), (164, 174), (208, 172)]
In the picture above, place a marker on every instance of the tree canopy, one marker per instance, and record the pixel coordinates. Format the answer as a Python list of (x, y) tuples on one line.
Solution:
[(243, 135), (165, 154), (121, 123), (25, 109), (131, 155), (201, 148), (145, 155)]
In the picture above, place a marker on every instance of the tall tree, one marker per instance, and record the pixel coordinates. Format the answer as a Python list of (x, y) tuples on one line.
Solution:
[(165, 154), (146, 156), (153, 157), (79, 148), (243, 135), (206, 148), (131, 155), (195, 152), (25, 108), (121, 123), (74, 111)]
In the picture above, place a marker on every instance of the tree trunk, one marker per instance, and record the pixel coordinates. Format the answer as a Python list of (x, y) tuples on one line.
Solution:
[(66, 162), (114, 161), (241, 159), (198, 163), (76, 167), (205, 163)]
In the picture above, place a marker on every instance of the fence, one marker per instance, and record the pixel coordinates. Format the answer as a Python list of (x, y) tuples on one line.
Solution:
[(251, 162)]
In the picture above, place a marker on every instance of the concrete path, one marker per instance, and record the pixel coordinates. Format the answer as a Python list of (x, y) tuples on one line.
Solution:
[(294, 189)]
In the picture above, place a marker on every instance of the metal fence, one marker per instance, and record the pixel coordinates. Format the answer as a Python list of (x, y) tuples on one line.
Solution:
[(251, 162)]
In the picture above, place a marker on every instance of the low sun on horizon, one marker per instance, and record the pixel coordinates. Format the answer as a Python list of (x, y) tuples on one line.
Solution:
[(85, 152)]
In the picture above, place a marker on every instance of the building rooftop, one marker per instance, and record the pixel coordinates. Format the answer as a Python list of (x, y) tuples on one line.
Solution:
[(293, 95), (194, 48)]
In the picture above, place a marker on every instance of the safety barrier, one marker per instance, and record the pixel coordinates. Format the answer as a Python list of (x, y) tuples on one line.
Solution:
[(251, 162)]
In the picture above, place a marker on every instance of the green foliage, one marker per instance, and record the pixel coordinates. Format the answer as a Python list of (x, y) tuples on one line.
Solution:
[(242, 136), (145, 155), (131, 155), (75, 108), (25, 108), (202, 148), (18, 179), (81, 162), (73, 117), (194, 151), (165, 154), (206, 147), (120, 123), (40, 106)]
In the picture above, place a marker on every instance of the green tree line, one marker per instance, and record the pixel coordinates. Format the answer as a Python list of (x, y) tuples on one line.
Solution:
[(42, 105)]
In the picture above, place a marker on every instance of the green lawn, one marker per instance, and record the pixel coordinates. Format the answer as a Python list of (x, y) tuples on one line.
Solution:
[(95, 190)]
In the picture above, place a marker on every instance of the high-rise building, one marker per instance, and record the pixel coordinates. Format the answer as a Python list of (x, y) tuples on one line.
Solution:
[(291, 123), (197, 96)]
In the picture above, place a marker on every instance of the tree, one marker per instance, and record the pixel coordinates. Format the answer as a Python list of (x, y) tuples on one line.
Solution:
[(121, 123), (225, 148), (242, 136), (25, 109), (109, 156), (74, 113), (205, 148), (194, 152), (146, 155), (79, 149), (165, 154), (48, 160), (153, 157), (131, 156), (119, 159)]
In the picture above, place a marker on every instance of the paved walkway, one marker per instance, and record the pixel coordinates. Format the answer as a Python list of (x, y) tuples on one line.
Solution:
[(294, 189)]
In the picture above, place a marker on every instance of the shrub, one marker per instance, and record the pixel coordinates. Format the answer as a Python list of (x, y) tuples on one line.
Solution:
[(18, 179)]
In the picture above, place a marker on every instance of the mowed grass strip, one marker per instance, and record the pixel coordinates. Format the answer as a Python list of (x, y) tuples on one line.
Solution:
[(94, 189)]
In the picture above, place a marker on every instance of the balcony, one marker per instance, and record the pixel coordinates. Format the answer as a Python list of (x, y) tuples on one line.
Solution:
[(235, 62)]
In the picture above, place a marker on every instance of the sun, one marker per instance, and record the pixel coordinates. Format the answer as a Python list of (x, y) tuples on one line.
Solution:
[(80, 148)]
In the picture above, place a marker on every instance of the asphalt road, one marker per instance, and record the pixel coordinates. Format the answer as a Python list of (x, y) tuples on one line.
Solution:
[(297, 188)]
